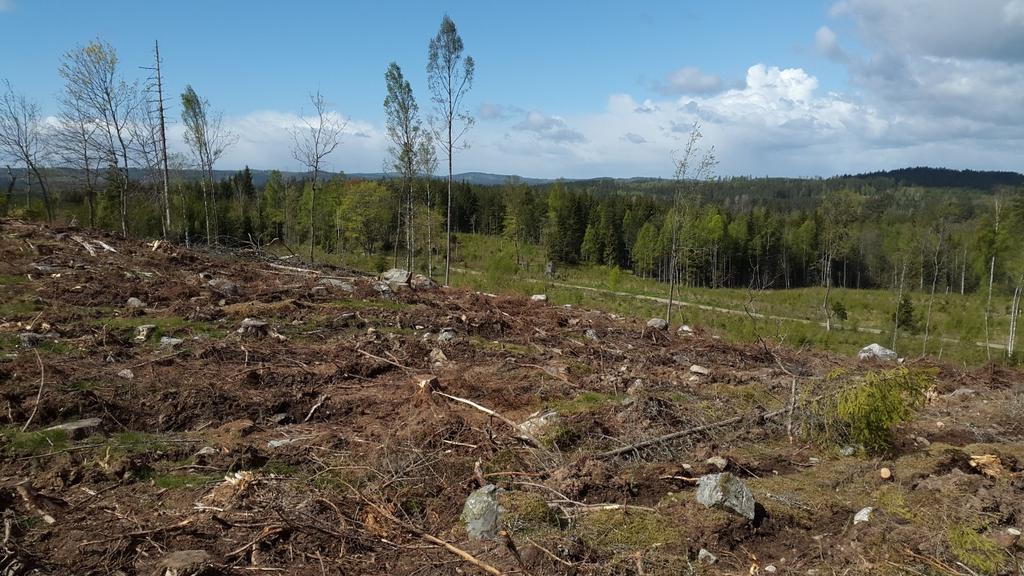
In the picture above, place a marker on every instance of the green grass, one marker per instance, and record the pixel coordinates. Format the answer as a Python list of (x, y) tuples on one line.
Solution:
[(584, 402), (374, 304), (18, 444), (486, 263), (177, 481)]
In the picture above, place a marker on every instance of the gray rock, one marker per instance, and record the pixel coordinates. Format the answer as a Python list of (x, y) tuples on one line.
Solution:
[(396, 276), (771, 569), (848, 450), (482, 514), (78, 428), (591, 334), (33, 339), (206, 451), (877, 351), (223, 286), (539, 423), (863, 515), (184, 563), (698, 369), (960, 393), (658, 323), (539, 298), (134, 302), (726, 492), (168, 342), (446, 336), (142, 333), (706, 558), (126, 374), (337, 284), (684, 329), (253, 326), (717, 462), (437, 356), (421, 282)]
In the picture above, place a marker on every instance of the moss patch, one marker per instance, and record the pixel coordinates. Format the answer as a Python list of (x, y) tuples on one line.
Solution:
[(974, 550), (621, 530), (18, 443)]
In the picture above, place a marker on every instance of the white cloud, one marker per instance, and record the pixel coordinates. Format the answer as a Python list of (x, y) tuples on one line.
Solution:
[(689, 80), (550, 128), (827, 43), (6, 5)]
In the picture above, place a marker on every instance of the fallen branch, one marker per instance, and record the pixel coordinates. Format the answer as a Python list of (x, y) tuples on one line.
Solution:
[(141, 533), (382, 359), (88, 248), (39, 395), (315, 407), (519, 432), (680, 434)]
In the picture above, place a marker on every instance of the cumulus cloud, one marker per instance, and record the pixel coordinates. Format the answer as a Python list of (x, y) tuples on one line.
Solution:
[(827, 43), (689, 80), (634, 138), (550, 128), (493, 111)]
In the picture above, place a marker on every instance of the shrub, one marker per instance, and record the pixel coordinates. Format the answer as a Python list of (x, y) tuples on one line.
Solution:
[(867, 412), (906, 316), (839, 310)]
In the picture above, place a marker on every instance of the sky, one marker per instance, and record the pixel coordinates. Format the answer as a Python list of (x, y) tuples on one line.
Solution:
[(579, 89)]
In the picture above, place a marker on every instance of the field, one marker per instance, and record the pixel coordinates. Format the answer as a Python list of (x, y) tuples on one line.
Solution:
[(343, 431), (793, 316)]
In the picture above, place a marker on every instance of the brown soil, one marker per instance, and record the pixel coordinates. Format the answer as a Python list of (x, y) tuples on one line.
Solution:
[(373, 471)]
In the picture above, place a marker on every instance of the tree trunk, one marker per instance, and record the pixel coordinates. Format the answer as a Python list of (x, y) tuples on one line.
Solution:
[(46, 192), (1014, 315), (988, 307), (899, 302), (312, 216)]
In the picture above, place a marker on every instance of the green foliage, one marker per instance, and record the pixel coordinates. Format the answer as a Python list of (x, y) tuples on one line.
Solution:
[(974, 550), (867, 412), (839, 310), (17, 443), (905, 315)]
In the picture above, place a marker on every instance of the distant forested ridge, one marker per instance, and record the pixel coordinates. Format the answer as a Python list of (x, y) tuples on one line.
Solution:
[(871, 230)]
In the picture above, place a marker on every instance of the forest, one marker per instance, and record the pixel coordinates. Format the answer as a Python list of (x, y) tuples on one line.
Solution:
[(104, 163)]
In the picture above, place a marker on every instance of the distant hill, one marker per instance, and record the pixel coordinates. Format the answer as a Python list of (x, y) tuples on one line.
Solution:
[(946, 178)]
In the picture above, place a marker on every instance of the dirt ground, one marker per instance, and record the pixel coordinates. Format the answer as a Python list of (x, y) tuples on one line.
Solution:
[(336, 438)]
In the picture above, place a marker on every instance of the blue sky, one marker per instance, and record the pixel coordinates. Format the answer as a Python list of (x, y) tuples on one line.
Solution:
[(583, 89)]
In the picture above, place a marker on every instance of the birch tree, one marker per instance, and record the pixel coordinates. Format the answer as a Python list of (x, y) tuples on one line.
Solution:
[(426, 161), (23, 138), (312, 143), (207, 139), (450, 77), (91, 77), (692, 168), (76, 146), (403, 128)]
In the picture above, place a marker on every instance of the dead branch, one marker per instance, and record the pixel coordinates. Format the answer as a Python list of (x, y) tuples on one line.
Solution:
[(375, 357), (519, 432), (39, 395), (88, 248), (681, 434), (428, 537), (315, 407)]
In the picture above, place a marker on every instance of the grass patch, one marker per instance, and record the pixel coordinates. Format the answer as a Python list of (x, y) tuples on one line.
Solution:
[(177, 481), (17, 307), (138, 442), (498, 346), (588, 401), (19, 444), (12, 279), (526, 511), (624, 530)]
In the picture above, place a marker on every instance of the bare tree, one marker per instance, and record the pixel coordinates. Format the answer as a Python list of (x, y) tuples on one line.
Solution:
[(76, 145), (450, 76), (426, 159), (312, 144), (90, 76), (23, 138), (158, 120), (207, 139), (403, 126), (692, 168)]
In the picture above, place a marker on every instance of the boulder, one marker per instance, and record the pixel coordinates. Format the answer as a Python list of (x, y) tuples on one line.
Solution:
[(658, 323), (539, 424), (726, 492), (698, 369), (863, 515), (421, 282), (446, 336), (337, 284), (591, 334), (134, 302), (482, 514), (253, 327), (223, 286), (78, 428), (184, 563), (396, 276), (168, 342), (33, 339), (684, 329), (539, 298), (877, 351), (706, 558), (126, 374), (437, 356), (718, 462)]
